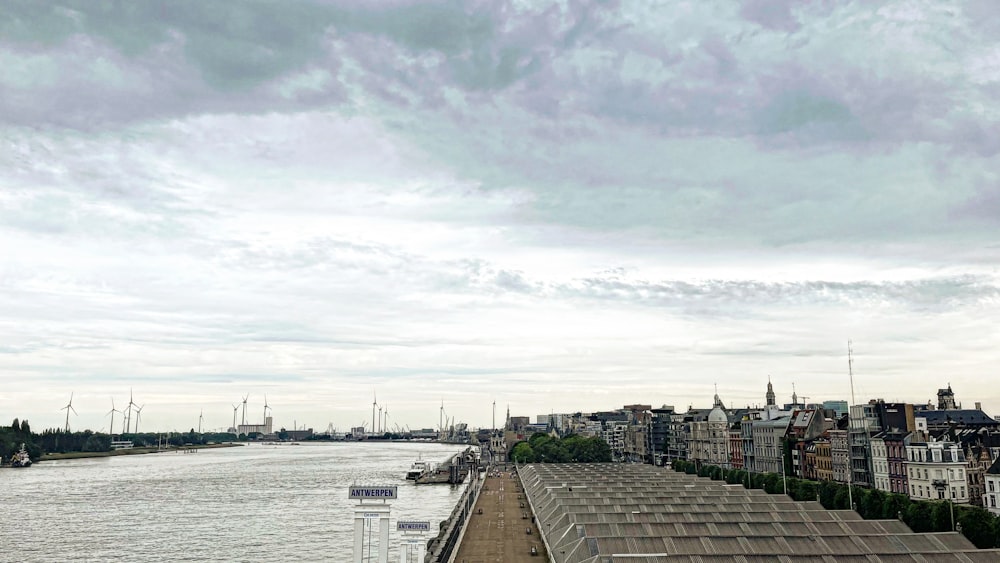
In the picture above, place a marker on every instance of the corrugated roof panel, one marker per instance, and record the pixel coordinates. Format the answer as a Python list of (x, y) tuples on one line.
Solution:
[(667, 517)]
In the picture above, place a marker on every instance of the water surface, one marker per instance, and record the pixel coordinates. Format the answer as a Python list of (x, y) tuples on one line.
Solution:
[(251, 503)]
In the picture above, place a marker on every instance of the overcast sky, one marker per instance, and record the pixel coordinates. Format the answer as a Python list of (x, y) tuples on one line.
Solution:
[(564, 206)]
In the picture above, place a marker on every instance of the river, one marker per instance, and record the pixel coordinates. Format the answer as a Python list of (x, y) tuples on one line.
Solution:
[(250, 503)]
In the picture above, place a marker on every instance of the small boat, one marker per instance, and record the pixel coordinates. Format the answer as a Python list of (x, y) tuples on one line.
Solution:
[(21, 458), (418, 468)]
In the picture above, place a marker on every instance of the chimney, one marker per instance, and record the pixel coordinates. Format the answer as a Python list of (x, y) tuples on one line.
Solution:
[(979, 406)]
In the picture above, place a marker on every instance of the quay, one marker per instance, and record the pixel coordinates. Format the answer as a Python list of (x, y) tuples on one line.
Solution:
[(501, 526), (453, 470)]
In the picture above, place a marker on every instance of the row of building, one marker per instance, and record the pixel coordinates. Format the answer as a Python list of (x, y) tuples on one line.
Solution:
[(925, 451)]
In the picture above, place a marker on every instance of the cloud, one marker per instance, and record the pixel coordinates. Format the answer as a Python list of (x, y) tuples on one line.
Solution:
[(772, 15), (328, 194)]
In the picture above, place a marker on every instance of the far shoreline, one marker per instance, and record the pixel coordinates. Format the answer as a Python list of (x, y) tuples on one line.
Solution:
[(132, 451)]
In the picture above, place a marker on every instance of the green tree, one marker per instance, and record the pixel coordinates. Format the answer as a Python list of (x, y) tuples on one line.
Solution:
[(872, 503), (941, 516), (977, 525), (918, 517), (895, 505), (523, 453)]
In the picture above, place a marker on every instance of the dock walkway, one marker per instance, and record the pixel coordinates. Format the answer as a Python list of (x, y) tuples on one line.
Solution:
[(499, 533)]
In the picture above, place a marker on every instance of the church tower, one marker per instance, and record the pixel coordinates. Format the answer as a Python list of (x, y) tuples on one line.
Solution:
[(770, 392), (946, 399)]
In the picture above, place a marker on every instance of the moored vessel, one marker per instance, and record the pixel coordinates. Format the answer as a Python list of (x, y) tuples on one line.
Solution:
[(418, 468), (20, 458)]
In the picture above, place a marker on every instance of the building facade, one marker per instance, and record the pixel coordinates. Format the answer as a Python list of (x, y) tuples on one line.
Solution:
[(936, 471)]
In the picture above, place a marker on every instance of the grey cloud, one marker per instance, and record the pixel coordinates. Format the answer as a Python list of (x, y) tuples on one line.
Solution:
[(772, 14), (713, 296), (983, 205), (809, 118)]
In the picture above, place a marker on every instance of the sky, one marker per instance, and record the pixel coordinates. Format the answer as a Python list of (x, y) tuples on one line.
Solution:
[(556, 206)]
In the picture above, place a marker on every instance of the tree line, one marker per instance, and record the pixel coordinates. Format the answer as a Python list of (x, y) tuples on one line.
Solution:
[(542, 448), (59, 441), (977, 524), (11, 438)]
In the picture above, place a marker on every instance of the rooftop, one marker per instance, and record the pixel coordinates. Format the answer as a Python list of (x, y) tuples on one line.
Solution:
[(604, 513)]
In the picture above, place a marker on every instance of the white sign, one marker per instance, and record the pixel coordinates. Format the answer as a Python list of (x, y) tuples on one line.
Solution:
[(372, 515), (385, 492), (413, 526)]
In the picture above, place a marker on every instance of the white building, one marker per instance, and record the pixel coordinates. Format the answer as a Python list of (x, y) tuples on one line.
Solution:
[(991, 498), (936, 471), (768, 436), (614, 434), (709, 438), (880, 464), (252, 428)]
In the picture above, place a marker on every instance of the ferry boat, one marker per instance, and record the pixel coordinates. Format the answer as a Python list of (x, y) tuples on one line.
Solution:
[(418, 468), (20, 459)]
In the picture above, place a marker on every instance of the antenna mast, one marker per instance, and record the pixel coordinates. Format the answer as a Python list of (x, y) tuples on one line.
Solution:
[(850, 463), (850, 371)]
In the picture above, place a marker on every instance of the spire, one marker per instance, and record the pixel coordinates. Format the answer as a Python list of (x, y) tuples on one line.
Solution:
[(770, 392), (717, 402), (795, 398)]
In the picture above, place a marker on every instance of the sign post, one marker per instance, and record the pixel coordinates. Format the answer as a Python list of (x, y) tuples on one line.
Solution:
[(366, 513), (413, 540)]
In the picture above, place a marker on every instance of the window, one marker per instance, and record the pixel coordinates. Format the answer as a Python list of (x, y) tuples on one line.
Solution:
[(991, 486), (993, 501)]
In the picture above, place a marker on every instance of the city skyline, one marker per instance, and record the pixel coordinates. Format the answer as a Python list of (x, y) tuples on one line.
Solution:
[(555, 206)]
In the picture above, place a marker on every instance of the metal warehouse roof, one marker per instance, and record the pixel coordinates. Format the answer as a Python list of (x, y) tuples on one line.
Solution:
[(628, 513)]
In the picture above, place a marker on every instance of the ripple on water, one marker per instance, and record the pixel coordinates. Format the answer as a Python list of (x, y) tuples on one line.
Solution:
[(252, 503)]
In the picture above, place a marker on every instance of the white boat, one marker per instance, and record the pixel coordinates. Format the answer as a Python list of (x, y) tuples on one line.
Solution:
[(418, 468), (21, 458)]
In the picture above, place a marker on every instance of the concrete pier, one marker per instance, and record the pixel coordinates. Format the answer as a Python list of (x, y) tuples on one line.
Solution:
[(452, 471), (502, 527)]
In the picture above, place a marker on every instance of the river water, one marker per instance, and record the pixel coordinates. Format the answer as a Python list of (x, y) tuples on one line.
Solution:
[(250, 503)]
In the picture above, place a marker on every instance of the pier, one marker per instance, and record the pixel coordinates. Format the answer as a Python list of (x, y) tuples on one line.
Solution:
[(453, 470), (502, 526)]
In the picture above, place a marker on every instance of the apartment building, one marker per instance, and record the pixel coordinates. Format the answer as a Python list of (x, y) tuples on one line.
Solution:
[(937, 471), (991, 496)]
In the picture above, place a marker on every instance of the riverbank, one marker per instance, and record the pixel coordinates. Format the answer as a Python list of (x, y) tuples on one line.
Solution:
[(132, 451)]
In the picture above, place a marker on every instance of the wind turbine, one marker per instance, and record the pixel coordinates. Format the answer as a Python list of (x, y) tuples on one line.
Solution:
[(67, 408), (245, 408), (380, 418), (201, 416), (236, 408), (138, 417), (265, 409), (130, 407), (374, 406), (112, 413)]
